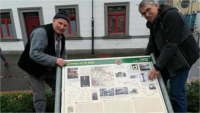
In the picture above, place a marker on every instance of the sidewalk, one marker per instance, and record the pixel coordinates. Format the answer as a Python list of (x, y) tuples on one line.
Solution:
[(13, 78)]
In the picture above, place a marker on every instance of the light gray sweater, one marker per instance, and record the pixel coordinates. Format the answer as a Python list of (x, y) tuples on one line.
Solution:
[(39, 42)]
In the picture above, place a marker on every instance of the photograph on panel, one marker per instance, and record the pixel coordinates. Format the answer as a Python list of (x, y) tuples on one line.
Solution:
[(133, 90), (137, 91), (105, 92), (135, 67), (121, 90), (132, 68), (70, 109), (152, 86), (135, 75), (94, 96), (102, 76), (144, 77), (85, 81), (72, 73), (120, 74), (145, 67)]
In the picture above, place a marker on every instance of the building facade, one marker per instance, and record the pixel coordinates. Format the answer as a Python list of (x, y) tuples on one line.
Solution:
[(188, 8), (118, 26)]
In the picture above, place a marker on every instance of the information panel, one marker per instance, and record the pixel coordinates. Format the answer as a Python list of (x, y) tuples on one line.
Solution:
[(110, 85)]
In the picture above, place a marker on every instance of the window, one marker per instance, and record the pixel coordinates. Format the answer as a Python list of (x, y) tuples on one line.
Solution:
[(73, 28), (116, 19), (6, 25)]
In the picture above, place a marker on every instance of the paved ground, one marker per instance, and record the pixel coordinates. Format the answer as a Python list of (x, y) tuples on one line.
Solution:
[(13, 78), (195, 70)]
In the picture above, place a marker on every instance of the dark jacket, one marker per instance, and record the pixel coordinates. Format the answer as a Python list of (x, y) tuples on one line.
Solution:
[(172, 41), (32, 66)]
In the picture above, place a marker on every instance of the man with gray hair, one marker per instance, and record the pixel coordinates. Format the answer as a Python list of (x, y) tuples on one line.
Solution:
[(44, 51), (174, 46)]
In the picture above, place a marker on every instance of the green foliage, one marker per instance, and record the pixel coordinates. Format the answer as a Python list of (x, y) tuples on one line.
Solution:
[(17, 102), (50, 101), (23, 102), (193, 93)]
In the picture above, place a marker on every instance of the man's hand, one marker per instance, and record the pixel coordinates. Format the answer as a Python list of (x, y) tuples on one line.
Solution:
[(60, 62), (153, 74)]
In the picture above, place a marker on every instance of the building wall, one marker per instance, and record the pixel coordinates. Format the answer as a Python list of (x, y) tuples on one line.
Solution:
[(196, 6), (190, 18), (137, 26)]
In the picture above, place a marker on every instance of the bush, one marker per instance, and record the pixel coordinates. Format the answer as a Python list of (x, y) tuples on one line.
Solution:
[(50, 101), (17, 102), (192, 95), (23, 102)]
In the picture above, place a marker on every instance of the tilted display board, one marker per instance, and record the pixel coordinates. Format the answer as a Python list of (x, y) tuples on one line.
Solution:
[(110, 85)]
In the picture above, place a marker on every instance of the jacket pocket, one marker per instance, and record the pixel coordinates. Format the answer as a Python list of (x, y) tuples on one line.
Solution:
[(189, 49), (176, 64)]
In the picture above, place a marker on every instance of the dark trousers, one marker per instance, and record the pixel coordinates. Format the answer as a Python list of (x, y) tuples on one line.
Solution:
[(177, 90), (2, 57), (38, 89)]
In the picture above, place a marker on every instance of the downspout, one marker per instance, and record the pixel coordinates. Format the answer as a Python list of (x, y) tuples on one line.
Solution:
[(92, 30)]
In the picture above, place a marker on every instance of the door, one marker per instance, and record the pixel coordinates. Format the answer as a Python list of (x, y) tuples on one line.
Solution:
[(31, 20)]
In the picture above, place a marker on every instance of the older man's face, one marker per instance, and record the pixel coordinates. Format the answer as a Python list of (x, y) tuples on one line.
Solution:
[(150, 12), (60, 25)]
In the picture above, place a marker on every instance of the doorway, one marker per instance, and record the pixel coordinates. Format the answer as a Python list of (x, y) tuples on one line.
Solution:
[(29, 18)]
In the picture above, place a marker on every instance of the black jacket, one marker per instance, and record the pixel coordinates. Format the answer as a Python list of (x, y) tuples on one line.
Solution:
[(172, 41)]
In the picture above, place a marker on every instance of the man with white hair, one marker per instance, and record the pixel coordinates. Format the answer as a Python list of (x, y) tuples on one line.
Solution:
[(43, 52)]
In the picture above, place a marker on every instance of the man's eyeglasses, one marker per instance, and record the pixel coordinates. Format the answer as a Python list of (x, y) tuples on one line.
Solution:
[(147, 11)]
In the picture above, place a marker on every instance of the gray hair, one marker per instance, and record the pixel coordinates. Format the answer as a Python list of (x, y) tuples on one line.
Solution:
[(143, 2)]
